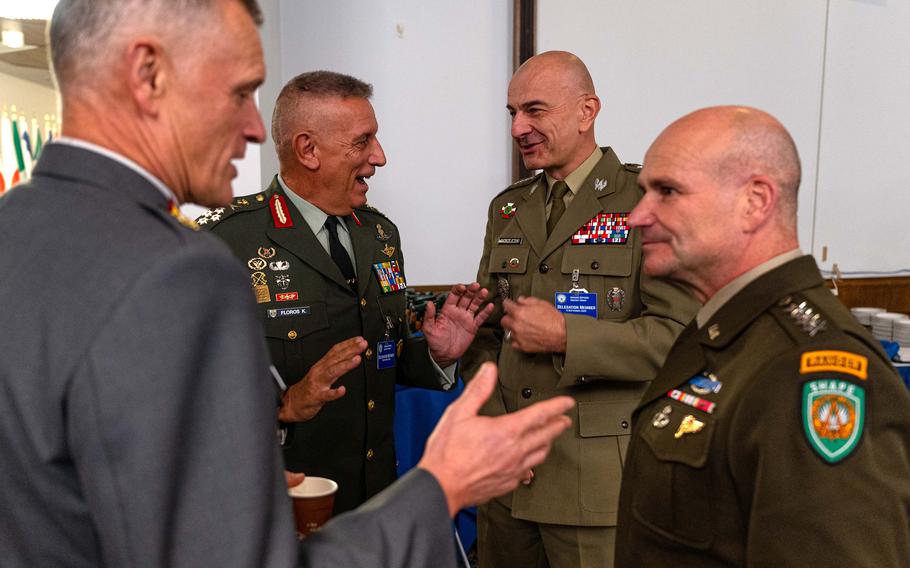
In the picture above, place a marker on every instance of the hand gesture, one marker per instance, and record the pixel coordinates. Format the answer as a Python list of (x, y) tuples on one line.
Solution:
[(451, 331)]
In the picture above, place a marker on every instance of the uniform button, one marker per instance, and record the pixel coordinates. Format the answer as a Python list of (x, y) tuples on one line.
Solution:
[(368, 353), (370, 455), (526, 393), (292, 334), (503, 264), (371, 405), (582, 379), (543, 268), (363, 302), (624, 424), (595, 265)]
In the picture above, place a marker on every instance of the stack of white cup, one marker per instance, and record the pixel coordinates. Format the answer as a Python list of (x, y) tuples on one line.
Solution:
[(901, 336), (883, 324), (864, 315)]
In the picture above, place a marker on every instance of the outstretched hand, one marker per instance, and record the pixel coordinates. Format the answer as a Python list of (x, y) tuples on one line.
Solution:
[(451, 331)]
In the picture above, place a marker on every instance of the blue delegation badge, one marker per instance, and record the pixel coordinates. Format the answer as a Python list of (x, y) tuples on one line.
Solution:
[(581, 303), (385, 355)]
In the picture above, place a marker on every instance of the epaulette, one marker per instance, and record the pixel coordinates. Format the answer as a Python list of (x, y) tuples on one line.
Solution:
[(243, 203), (371, 209), (634, 168), (804, 318), (521, 183)]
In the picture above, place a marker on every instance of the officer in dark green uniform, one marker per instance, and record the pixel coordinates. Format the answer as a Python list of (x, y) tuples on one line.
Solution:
[(777, 433), (326, 267)]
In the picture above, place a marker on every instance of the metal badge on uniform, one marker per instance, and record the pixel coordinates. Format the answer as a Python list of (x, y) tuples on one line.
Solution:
[(662, 418), (508, 210), (266, 252), (577, 300), (256, 263), (210, 216), (261, 287), (388, 250), (689, 425), (283, 281), (279, 265), (287, 312), (389, 276), (705, 384), (385, 354), (508, 241), (615, 299), (600, 184), (834, 411), (503, 287), (280, 214), (381, 235), (603, 228)]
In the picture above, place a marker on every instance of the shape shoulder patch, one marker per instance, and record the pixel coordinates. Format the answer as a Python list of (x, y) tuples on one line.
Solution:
[(520, 184), (833, 416)]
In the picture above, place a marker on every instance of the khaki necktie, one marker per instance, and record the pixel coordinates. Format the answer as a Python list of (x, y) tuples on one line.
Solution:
[(558, 207)]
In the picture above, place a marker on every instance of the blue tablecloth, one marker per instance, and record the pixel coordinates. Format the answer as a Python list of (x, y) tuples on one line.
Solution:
[(416, 413)]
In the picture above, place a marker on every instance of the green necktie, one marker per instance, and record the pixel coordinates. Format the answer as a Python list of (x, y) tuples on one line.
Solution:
[(558, 207)]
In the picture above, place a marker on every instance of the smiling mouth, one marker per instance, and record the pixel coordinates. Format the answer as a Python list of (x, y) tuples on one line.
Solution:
[(362, 180)]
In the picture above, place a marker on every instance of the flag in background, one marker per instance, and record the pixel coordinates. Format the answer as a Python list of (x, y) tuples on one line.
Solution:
[(8, 163), (17, 144), (26, 147)]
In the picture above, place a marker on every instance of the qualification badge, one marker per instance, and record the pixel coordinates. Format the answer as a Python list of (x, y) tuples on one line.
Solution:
[(689, 425), (508, 210)]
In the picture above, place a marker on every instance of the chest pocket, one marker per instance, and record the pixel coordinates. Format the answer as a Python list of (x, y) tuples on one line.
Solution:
[(598, 260), (508, 259), (293, 328), (678, 503)]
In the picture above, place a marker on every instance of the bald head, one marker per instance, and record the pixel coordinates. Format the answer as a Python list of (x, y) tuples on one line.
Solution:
[(744, 142), (562, 68)]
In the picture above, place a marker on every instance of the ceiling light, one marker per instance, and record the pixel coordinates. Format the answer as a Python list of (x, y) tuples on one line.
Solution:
[(13, 39)]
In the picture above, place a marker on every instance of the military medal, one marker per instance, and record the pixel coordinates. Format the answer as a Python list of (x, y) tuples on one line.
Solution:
[(514, 262), (502, 287), (261, 287), (600, 184), (508, 210), (256, 263), (381, 235), (603, 228), (615, 299), (689, 425), (388, 250), (705, 384), (389, 276), (692, 400), (662, 418)]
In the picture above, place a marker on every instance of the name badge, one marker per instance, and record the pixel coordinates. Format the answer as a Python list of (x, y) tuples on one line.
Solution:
[(581, 303), (385, 354), (285, 312)]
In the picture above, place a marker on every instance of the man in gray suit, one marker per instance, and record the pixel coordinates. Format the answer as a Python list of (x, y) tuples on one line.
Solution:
[(137, 419)]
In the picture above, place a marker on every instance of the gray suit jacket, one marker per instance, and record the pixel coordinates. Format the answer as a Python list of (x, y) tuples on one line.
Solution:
[(137, 420)]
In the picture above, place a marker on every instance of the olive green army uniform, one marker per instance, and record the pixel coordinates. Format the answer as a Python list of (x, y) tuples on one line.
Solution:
[(776, 434), (307, 307), (607, 365)]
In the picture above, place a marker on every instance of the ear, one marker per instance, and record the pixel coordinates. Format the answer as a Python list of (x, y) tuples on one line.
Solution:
[(588, 110), (759, 202), (146, 74), (305, 150)]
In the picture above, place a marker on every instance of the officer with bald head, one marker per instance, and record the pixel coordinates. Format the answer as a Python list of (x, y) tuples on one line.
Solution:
[(777, 433), (573, 315)]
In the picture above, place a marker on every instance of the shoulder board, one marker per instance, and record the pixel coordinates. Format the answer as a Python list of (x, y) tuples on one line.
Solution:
[(634, 168), (243, 203), (802, 319), (370, 209), (521, 183)]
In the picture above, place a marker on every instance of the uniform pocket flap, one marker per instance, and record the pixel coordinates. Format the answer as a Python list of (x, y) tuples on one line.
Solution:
[(603, 260), (605, 418), (684, 437), (509, 259), (293, 322)]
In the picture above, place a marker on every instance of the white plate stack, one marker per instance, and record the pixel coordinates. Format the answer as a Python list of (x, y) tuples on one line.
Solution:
[(883, 324), (901, 336), (864, 315)]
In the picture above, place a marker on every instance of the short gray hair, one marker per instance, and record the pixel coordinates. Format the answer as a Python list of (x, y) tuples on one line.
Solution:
[(321, 84), (82, 32)]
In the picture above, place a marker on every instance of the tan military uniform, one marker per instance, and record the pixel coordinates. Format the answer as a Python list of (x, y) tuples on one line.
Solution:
[(777, 434), (609, 360)]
